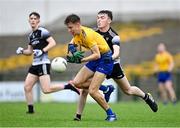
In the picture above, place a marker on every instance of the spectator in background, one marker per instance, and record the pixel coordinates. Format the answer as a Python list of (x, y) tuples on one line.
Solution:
[(164, 65)]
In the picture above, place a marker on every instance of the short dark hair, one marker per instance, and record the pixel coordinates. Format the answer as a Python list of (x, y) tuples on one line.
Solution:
[(73, 18), (35, 13), (109, 13)]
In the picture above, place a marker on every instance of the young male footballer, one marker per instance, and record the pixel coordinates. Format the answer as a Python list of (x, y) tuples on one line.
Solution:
[(40, 42), (104, 19), (164, 65), (99, 62)]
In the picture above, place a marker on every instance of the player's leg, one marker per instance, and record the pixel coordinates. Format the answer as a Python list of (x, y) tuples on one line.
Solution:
[(163, 93), (29, 83), (81, 104), (124, 84), (47, 87), (44, 78), (170, 90), (81, 80), (97, 80)]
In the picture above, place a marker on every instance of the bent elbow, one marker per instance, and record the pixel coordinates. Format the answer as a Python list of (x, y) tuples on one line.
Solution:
[(98, 56)]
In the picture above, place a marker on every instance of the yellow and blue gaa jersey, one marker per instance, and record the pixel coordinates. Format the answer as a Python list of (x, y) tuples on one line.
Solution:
[(88, 38), (163, 60)]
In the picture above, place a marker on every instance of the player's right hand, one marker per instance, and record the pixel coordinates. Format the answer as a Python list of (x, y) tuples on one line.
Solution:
[(70, 59), (19, 50), (72, 48)]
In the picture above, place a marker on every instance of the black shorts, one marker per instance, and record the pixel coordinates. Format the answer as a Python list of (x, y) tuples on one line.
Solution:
[(40, 70), (117, 72)]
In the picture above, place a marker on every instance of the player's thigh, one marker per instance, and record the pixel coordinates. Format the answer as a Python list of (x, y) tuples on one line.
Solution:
[(30, 81), (168, 85), (45, 81), (123, 83), (161, 87), (83, 75), (97, 80)]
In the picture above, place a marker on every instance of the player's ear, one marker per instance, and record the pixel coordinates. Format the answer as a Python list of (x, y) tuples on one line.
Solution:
[(109, 20), (38, 20)]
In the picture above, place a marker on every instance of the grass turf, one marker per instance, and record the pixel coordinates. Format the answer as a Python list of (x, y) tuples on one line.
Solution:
[(130, 114)]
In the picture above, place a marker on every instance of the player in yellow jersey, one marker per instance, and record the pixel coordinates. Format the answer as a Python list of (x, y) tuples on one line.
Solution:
[(99, 63), (164, 66)]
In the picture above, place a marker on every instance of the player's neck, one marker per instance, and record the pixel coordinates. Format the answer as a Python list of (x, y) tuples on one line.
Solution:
[(104, 29), (35, 28)]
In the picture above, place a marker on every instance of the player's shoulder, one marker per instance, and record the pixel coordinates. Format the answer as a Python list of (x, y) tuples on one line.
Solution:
[(168, 54), (43, 29), (112, 32), (87, 29)]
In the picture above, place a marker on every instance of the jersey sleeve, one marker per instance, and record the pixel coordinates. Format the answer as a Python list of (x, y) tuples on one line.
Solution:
[(170, 58), (91, 41), (116, 40), (45, 33)]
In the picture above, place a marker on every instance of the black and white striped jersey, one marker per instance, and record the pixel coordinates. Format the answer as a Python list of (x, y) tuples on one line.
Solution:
[(112, 38), (37, 39)]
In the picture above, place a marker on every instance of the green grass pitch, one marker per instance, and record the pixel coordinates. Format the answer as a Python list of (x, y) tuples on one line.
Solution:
[(129, 114)]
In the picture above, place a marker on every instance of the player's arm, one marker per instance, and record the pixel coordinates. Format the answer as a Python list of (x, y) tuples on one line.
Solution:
[(28, 51), (51, 44), (116, 47), (171, 63), (116, 53), (71, 47), (23, 51), (94, 56)]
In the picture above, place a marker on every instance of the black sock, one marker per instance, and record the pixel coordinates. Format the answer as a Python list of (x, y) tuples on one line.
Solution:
[(30, 109), (145, 97), (78, 116), (68, 86)]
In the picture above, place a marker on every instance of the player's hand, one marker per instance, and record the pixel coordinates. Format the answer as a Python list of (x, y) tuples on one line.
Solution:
[(19, 50), (37, 52), (78, 56), (70, 59), (72, 48)]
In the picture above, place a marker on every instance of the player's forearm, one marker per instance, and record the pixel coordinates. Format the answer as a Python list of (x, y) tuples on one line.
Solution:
[(116, 53), (27, 52), (171, 66), (91, 57), (51, 44)]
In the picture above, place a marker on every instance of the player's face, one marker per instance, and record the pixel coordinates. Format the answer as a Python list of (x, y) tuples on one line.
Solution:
[(161, 48), (103, 20), (74, 28), (34, 21)]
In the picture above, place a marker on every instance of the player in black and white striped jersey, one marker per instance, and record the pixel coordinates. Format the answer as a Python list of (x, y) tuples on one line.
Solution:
[(40, 42)]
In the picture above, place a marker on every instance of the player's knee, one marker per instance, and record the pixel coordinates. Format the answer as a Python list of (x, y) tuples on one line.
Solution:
[(128, 91), (46, 91), (27, 88), (75, 83), (92, 92)]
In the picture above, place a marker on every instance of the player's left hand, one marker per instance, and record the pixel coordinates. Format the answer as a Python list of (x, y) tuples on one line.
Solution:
[(37, 52), (78, 56)]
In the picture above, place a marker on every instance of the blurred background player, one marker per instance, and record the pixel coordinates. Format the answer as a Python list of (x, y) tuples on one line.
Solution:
[(104, 19), (164, 65), (40, 42), (99, 62)]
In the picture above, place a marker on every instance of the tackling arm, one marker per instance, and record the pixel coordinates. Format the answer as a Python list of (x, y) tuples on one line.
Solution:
[(94, 56)]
